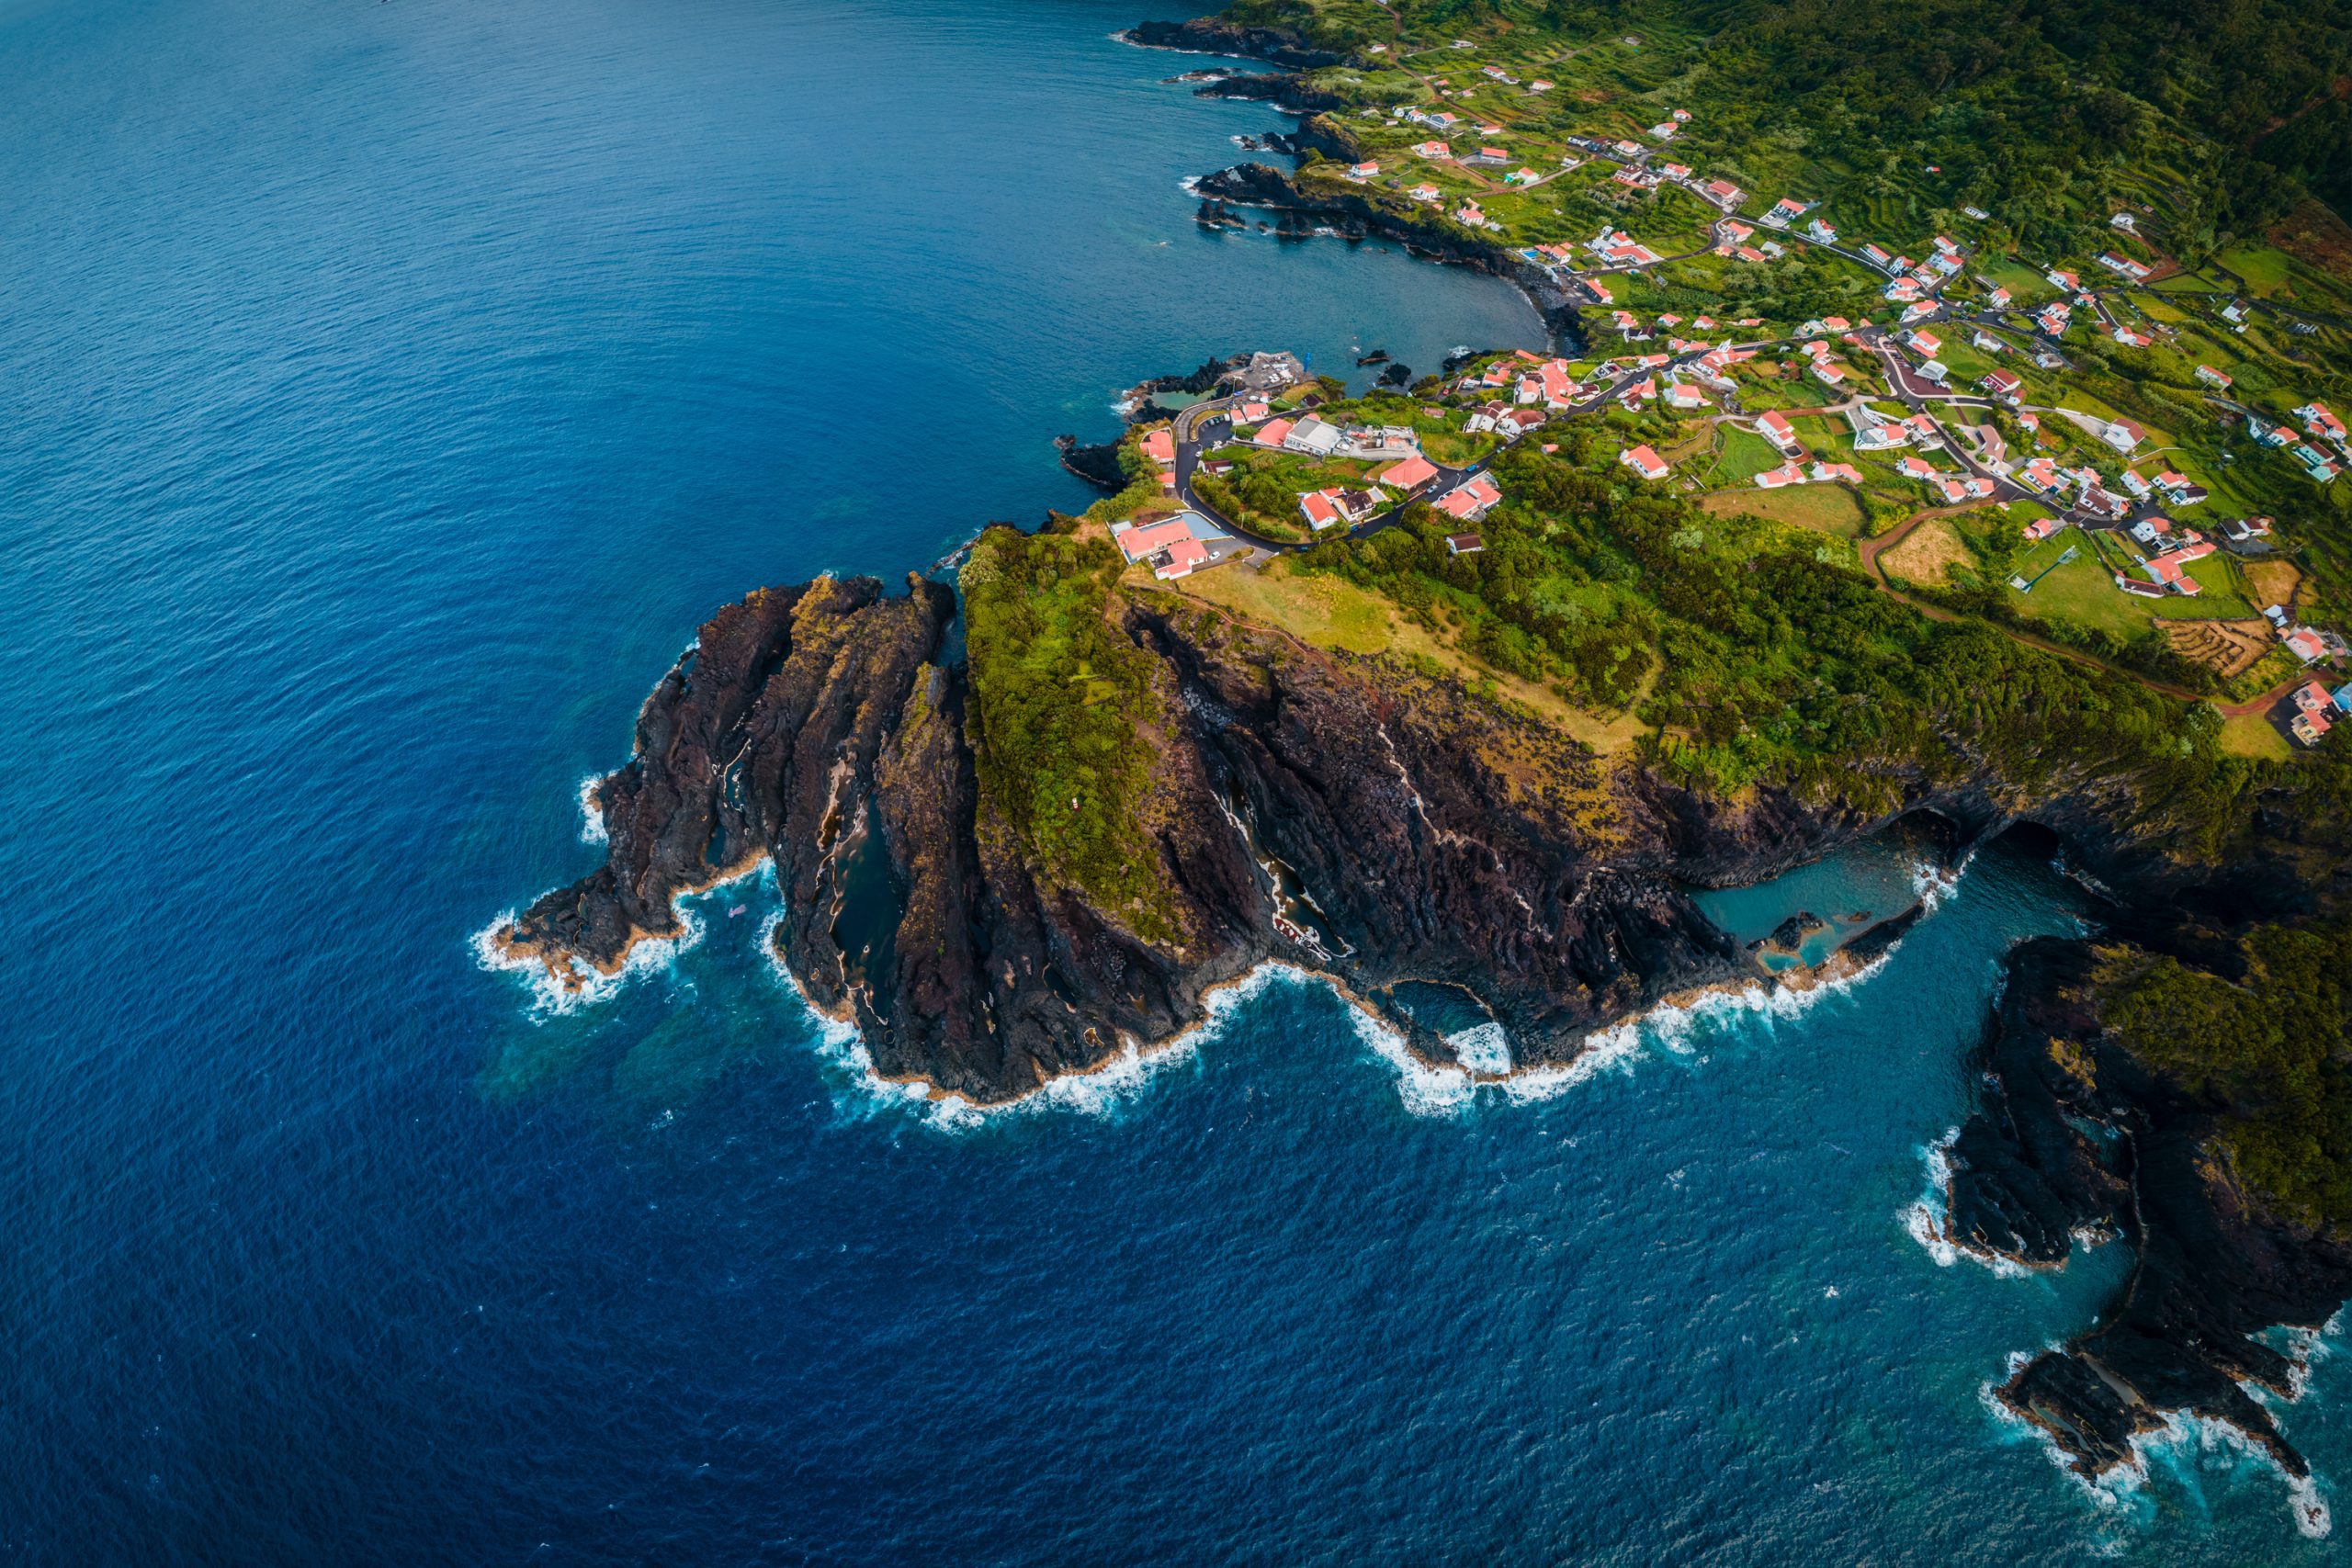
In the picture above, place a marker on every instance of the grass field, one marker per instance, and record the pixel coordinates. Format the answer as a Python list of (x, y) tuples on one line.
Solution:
[(1328, 612), (2083, 590), (1830, 508), (2252, 734), (2264, 269), (1930, 554), (1745, 455), (2025, 285)]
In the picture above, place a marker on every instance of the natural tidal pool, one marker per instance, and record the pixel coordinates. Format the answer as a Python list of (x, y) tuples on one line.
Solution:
[(389, 391)]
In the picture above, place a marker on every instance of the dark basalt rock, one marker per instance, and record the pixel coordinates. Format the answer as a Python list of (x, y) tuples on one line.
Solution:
[(1316, 133), (1359, 216), (2075, 1135), (1398, 374), (1291, 95), (1790, 934), (1212, 35), (1190, 383), (1098, 464), (820, 727)]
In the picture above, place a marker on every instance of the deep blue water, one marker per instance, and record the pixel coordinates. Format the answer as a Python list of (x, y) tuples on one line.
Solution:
[(386, 392)]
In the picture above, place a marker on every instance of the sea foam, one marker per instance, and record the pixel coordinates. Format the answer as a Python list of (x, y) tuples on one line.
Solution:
[(646, 955), (1929, 1221), (591, 816)]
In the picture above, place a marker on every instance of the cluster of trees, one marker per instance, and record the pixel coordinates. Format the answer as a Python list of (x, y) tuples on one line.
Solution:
[(1057, 695), (1768, 658), (2268, 1048)]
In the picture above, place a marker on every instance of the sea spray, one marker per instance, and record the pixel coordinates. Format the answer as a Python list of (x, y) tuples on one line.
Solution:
[(1929, 1221), (551, 996), (592, 815), (1925, 1218)]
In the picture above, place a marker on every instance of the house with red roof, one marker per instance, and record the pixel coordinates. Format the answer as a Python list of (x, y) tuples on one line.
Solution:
[(1824, 472), (1787, 473), (1774, 427), (1274, 432), (2170, 568), (1470, 500), (2043, 474), (1408, 476), (1146, 538), (1644, 462), (1160, 445)]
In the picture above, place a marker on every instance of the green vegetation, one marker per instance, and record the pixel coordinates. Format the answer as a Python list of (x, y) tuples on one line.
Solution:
[(1060, 699), (2269, 1047)]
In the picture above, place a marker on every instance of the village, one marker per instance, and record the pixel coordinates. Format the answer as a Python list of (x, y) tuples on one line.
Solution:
[(1939, 431)]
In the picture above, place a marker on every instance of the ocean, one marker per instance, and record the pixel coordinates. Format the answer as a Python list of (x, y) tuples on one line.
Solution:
[(386, 391)]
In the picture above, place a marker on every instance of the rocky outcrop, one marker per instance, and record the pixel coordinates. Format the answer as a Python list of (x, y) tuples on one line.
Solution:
[(1283, 91), (1355, 215), (1098, 464), (1213, 35), (1335, 812), (1348, 814), (2075, 1137), (1316, 133)]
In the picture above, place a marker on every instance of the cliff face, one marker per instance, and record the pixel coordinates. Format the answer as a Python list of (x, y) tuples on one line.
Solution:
[(1384, 827), (2075, 1135), (1335, 812), (1306, 806)]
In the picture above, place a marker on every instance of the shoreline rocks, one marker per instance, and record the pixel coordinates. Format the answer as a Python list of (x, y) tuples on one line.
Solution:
[(1213, 35), (1355, 216), (2074, 1137)]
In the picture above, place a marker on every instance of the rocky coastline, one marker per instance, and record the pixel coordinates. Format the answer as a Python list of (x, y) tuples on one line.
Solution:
[(1342, 816), (2075, 1139), (1215, 35), (1383, 829), (1356, 216)]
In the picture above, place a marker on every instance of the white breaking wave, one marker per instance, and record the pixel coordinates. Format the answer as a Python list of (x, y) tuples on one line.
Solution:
[(551, 996), (592, 818), (1925, 1219), (1933, 884), (1929, 1221), (1484, 1048), (1426, 1089), (2182, 1433)]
